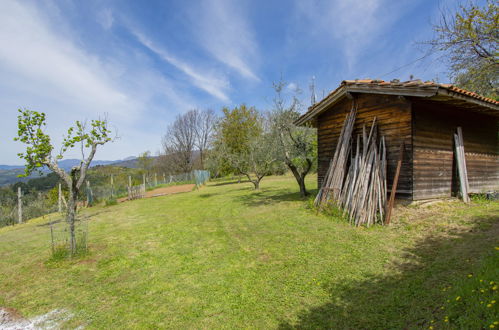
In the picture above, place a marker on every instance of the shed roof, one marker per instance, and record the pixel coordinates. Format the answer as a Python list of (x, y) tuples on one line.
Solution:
[(413, 88)]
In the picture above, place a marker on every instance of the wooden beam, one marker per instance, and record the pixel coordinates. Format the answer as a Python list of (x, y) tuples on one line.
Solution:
[(391, 202)]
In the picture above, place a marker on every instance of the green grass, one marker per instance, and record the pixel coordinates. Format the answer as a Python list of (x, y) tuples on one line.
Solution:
[(226, 256)]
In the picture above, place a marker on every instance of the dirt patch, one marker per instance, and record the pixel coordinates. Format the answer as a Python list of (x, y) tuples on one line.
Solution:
[(165, 191), (170, 190)]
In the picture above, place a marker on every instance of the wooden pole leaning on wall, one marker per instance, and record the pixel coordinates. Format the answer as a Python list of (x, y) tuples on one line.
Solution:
[(461, 164), (19, 205), (391, 201)]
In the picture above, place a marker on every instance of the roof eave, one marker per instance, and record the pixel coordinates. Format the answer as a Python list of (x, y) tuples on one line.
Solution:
[(434, 91), (455, 95)]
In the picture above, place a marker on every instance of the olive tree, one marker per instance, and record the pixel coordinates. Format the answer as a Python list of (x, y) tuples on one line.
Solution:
[(39, 150), (244, 145), (297, 144)]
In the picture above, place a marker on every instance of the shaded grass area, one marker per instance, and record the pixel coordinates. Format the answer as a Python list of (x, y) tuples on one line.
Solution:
[(226, 256)]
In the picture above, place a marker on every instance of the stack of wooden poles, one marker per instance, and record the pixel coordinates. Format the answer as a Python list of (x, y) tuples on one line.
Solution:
[(356, 179)]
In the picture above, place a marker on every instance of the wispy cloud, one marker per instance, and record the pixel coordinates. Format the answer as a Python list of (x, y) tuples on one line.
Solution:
[(50, 70), (51, 66), (224, 31), (213, 85), (352, 25)]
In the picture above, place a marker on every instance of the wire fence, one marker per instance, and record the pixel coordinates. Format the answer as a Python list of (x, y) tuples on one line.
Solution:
[(133, 186), (97, 189)]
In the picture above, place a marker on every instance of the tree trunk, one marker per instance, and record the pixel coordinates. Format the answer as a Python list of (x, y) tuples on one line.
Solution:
[(256, 183), (70, 218), (71, 213), (300, 178), (201, 158), (303, 189)]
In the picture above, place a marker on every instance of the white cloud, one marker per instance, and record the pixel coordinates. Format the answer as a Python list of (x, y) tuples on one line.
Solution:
[(222, 28), (51, 65), (44, 69), (210, 84)]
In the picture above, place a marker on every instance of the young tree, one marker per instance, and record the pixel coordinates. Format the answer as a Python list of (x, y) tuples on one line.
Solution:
[(39, 149), (297, 145), (469, 40), (145, 161)]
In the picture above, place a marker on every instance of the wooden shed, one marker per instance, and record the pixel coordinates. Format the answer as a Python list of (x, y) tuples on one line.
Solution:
[(424, 115)]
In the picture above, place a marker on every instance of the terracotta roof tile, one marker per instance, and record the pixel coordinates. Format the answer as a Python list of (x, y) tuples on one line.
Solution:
[(417, 83)]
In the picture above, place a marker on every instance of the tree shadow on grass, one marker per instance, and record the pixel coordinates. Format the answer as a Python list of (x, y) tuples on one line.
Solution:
[(268, 196), (229, 183), (410, 295)]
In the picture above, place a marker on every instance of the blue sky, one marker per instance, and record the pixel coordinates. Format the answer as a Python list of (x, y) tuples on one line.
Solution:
[(144, 62)]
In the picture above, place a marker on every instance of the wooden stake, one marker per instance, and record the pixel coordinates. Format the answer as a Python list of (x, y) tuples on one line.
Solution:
[(129, 187), (59, 201), (394, 185), (19, 205)]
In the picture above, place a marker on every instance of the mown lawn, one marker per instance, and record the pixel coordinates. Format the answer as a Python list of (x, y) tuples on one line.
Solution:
[(226, 256)]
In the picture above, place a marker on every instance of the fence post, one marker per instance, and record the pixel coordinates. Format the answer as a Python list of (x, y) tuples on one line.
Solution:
[(59, 201), (129, 187), (90, 197), (19, 205), (112, 186), (155, 179), (144, 179)]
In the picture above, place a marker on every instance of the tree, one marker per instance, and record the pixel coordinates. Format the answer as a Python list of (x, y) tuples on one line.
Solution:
[(469, 39), (145, 161), (39, 149), (257, 161), (179, 142), (204, 128), (297, 145), (243, 145)]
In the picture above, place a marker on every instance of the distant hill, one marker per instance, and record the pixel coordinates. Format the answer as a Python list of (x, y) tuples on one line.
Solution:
[(9, 173), (10, 167)]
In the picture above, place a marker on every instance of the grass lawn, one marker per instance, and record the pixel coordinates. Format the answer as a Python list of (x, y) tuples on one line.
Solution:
[(226, 256)]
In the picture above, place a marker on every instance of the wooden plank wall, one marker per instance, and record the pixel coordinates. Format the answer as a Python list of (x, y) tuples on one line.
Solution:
[(434, 167), (393, 114)]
